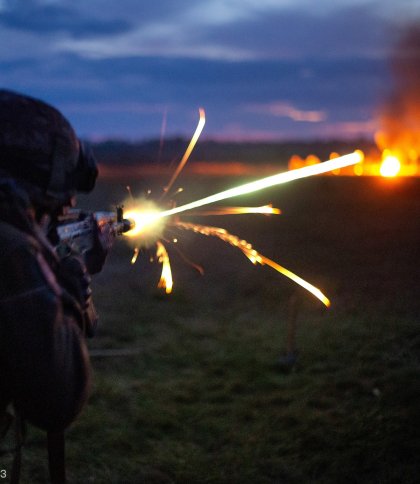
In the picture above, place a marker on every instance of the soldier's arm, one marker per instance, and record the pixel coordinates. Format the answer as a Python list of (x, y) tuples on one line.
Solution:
[(43, 349)]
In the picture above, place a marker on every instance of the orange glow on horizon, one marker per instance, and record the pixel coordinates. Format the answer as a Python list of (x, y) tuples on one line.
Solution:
[(392, 163)]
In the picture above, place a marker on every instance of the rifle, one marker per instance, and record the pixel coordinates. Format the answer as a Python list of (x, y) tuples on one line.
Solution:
[(76, 229)]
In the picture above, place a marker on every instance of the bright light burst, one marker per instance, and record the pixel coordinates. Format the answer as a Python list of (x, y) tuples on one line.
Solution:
[(151, 220), (390, 166)]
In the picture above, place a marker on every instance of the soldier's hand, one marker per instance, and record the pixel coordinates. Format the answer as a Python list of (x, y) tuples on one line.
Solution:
[(75, 278), (103, 240)]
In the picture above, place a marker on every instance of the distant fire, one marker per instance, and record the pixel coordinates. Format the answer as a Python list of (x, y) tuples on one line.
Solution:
[(388, 165), (398, 140)]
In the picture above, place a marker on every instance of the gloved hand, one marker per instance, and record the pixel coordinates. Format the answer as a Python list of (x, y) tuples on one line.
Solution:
[(74, 277), (103, 240)]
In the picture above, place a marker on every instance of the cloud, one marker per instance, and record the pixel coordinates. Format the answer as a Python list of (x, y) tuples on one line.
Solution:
[(222, 29), (114, 66), (45, 18), (287, 110), (234, 30), (295, 33)]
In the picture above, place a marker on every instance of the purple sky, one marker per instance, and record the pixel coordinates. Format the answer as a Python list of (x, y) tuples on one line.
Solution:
[(262, 69)]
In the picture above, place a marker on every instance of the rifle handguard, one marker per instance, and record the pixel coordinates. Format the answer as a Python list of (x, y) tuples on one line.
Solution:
[(77, 228)]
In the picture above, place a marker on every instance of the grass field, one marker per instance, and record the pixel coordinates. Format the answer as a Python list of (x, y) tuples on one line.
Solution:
[(203, 399)]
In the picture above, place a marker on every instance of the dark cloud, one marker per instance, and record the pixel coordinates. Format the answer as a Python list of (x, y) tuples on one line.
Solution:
[(153, 78), (332, 62), (297, 33), (30, 16), (143, 13)]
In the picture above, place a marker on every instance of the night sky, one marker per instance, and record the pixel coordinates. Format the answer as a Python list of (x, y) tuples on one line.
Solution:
[(262, 69)]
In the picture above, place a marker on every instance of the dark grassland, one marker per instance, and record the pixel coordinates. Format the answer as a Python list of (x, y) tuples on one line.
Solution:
[(202, 400)]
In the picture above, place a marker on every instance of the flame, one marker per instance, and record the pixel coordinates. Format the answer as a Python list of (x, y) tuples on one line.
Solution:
[(254, 256), (148, 226), (165, 281), (400, 113), (397, 161), (142, 221), (390, 166)]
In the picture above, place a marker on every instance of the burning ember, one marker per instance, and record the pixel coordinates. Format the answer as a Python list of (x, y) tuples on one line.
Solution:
[(151, 220)]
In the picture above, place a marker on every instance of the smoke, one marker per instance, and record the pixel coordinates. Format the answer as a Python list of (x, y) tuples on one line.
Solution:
[(400, 117)]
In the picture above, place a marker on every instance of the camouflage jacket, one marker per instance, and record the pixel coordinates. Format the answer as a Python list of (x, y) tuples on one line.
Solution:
[(44, 364)]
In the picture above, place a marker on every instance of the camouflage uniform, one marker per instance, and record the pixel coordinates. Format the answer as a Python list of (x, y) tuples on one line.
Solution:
[(44, 364)]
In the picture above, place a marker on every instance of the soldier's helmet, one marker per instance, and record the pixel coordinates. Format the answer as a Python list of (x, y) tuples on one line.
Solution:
[(39, 147)]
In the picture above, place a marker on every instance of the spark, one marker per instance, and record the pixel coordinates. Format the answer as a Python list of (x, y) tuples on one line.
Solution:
[(265, 209), (178, 190), (130, 192), (150, 224), (196, 135), (270, 181), (254, 256), (146, 219), (135, 255), (165, 281), (147, 222)]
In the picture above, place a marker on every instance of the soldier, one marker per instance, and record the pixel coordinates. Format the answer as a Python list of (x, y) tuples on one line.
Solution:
[(45, 302)]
